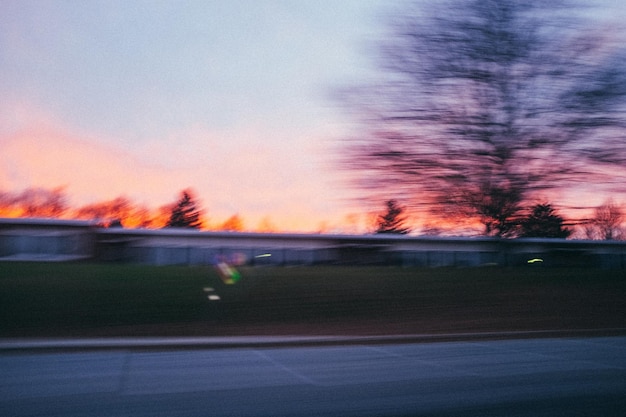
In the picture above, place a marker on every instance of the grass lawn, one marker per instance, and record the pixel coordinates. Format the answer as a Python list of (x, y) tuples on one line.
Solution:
[(76, 299)]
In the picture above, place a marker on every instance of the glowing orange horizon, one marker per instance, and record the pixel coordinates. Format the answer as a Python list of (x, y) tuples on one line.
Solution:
[(121, 211), (239, 179), (271, 189)]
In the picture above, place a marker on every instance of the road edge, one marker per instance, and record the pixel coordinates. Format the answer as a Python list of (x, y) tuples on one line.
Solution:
[(16, 345)]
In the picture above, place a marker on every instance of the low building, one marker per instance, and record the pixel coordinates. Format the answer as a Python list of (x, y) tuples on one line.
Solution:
[(32, 239), (61, 240)]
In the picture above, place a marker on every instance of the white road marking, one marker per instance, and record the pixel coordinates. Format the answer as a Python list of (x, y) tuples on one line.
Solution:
[(287, 369)]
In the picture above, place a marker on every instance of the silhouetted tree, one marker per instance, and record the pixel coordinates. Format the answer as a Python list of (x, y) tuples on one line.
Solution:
[(41, 202), (486, 102), (392, 221), (185, 213), (233, 224), (143, 217), (543, 221), (606, 223), (116, 223), (110, 213)]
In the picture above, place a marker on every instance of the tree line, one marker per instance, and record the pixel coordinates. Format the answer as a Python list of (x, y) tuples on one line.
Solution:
[(118, 212), (541, 220)]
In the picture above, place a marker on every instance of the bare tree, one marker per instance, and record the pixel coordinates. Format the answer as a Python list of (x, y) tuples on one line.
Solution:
[(41, 202), (488, 102), (606, 223), (111, 213)]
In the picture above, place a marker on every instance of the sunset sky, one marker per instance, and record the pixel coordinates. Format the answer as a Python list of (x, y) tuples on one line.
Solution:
[(146, 98), (233, 98)]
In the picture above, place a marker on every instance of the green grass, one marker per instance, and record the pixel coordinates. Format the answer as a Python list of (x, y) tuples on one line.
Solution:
[(82, 296), (75, 299)]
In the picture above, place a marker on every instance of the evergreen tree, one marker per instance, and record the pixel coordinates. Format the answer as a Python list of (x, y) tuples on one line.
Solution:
[(392, 221), (544, 222), (185, 212)]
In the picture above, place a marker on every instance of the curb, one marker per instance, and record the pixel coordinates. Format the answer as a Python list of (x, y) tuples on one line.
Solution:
[(182, 343)]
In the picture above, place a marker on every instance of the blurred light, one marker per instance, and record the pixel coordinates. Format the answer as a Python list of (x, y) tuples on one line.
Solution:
[(534, 260), (228, 274)]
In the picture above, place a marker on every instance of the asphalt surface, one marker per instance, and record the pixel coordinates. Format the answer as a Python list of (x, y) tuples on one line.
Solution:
[(516, 377)]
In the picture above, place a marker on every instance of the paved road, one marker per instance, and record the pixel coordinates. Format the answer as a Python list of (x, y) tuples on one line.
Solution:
[(535, 377)]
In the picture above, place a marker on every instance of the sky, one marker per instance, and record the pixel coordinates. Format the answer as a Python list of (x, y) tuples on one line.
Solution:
[(146, 98), (232, 98)]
